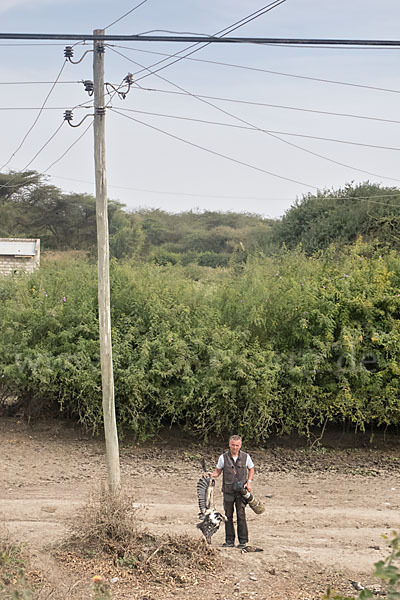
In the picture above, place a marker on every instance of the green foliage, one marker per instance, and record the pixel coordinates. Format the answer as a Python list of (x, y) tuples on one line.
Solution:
[(340, 216), (278, 345), (13, 564), (31, 208)]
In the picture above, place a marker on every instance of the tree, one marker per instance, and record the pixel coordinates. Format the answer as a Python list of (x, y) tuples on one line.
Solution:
[(317, 220)]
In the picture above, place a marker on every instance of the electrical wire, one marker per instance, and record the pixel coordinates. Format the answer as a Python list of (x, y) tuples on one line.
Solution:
[(40, 150), (7, 185), (165, 193), (44, 146), (36, 119), (311, 137), (190, 194), (173, 32), (297, 46), (281, 106), (215, 153), (198, 46), (125, 15), (69, 148), (257, 69), (36, 108), (19, 44), (35, 82), (274, 136), (239, 126), (279, 132)]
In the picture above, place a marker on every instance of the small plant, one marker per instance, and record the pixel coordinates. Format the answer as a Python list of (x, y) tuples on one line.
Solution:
[(101, 588), (14, 584)]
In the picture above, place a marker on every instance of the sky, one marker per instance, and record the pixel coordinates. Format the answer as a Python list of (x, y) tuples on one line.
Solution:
[(218, 136)]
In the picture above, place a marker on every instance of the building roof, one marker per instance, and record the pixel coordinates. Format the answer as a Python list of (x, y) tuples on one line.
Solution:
[(17, 247)]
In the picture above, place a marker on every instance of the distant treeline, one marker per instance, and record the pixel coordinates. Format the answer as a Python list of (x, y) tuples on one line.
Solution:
[(32, 208)]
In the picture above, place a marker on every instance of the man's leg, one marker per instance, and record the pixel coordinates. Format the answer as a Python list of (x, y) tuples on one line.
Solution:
[(229, 528), (243, 533)]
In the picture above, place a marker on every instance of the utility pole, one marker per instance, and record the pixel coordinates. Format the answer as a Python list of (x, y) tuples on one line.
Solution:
[(103, 253)]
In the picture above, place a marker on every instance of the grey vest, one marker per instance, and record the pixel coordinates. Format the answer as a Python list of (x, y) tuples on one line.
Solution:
[(233, 471)]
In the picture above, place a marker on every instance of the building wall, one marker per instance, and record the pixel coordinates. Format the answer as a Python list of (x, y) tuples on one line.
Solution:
[(10, 265)]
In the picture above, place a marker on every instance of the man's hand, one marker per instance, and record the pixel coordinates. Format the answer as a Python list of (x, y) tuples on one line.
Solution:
[(248, 485)]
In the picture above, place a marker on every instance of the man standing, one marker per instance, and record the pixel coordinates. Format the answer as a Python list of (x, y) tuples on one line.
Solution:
[(237, 470)]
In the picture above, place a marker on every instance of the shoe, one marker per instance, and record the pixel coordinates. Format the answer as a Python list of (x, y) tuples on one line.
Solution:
[(241, 546), (228, 545)]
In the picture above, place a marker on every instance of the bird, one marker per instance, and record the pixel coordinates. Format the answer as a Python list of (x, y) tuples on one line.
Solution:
[(357, 585), (210, 518)]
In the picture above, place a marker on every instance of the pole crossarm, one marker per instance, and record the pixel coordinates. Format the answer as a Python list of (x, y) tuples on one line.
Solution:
[(196, 38)]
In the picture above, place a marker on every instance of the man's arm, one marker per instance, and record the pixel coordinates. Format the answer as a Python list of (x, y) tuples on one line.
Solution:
[(217, 472), (250, 479)]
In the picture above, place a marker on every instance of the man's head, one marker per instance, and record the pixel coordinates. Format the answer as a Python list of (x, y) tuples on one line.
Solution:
[(235, 443)]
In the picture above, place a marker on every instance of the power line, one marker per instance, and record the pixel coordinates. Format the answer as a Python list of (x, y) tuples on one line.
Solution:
[(259, 70), (248, 128), (37, 45), (37, 117), (32, 45), (210, 39), (215, 153), (7, 185), (125, 15), (219, 123), (163, 192), (273, 135), (278, 132), (37, 107), (281, 106), (35, 82), (69, 148), (223, 32), (224, 99), (44, 146)]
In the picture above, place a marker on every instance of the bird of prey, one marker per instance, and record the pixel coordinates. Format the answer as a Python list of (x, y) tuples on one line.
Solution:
[(210, 518)]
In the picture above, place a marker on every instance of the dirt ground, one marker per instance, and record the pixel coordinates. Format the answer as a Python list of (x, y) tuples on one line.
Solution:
[(326, 509)]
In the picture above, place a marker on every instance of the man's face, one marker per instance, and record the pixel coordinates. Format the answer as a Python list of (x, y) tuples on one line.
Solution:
[(234, 447)]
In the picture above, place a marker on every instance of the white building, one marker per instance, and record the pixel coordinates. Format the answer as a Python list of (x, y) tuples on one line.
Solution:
[(19, 255)]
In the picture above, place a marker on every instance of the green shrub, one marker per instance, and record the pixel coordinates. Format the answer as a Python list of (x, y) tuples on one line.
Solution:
[(280, 344)]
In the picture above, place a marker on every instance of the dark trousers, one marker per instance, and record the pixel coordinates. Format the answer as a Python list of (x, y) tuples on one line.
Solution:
[(231, 502)]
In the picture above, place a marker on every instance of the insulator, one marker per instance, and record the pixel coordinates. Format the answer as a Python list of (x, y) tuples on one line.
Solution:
[(100, 111), (129, 79), (88, 86), (100, 48), (68, 116), (68, 52)]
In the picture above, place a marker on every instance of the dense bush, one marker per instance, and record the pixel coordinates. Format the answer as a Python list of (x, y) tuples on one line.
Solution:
[(276, 345)]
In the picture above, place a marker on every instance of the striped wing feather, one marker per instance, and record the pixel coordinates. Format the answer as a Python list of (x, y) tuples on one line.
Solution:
[(205, 494)]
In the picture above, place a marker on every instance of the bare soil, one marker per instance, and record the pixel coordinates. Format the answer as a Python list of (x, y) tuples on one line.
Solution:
[(326, 509)]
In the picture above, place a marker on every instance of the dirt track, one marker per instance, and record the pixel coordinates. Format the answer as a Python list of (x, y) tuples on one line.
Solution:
[(326, 509)]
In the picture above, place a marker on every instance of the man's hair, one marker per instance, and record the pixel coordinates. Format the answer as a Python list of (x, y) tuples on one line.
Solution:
[(235, 438)]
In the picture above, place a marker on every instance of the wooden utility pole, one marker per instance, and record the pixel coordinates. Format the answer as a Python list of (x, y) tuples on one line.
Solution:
[(107, 377)]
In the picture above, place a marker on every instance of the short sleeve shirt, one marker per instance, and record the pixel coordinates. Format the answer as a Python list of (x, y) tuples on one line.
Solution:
[(221, 461)]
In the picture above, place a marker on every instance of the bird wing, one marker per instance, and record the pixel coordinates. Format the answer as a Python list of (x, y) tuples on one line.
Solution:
[(205, 494)]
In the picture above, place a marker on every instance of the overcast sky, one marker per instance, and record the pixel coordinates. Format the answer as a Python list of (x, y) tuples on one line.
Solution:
[(148, 168)]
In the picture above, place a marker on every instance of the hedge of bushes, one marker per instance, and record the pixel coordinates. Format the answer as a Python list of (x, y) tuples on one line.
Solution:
[(275, 345)]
